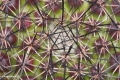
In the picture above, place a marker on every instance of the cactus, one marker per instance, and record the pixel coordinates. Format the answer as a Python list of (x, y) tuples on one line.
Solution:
[(59, 40)]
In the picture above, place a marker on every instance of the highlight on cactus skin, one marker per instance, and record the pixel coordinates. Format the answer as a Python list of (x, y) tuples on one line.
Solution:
[(59, 40)]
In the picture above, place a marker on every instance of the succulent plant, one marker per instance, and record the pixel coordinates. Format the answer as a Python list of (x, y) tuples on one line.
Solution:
[(59, 40)]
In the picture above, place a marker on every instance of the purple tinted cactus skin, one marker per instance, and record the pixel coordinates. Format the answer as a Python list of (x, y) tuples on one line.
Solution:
[(115, 8), (114, 32), (118, 79), (75, 4), (22, 21), (101, 46), (5, 63), (58, 78), (99, 7), (41, 20), (92, 26), (33, 1), (7, 38), (30, 44), (97, 72), (53, 5), (10, 5), (85, 51), (26, 64), (114, 61), (74, 71), (27, 78), (47, 69)]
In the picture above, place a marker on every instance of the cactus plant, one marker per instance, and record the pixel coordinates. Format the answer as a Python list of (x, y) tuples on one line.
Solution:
[(59, 40)]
